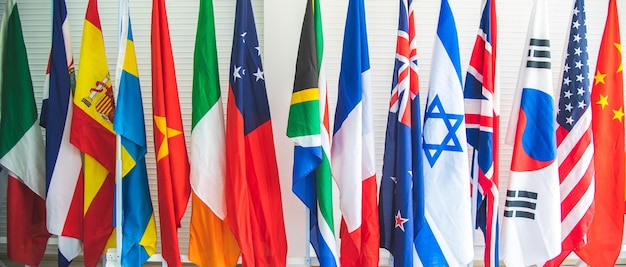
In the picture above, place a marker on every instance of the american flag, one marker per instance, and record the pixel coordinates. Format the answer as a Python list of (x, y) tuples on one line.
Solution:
[(402, 159), (574, 143), (482, 121)]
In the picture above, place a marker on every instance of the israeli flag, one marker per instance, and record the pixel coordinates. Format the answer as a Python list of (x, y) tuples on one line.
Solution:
[(445, 238)]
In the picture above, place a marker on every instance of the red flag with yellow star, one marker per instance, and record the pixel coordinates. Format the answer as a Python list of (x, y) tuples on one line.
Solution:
[(604, 238), (169, 140)]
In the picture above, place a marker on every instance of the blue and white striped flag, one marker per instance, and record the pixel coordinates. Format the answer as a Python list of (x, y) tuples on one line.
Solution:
[(446, 237)]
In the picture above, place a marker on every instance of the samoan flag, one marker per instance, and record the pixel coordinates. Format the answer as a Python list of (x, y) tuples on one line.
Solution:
[(253, 197), (64, 199), (399, 197), (446, 237)]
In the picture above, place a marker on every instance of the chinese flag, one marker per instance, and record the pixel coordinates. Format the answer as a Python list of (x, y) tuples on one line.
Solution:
[(607, 98)]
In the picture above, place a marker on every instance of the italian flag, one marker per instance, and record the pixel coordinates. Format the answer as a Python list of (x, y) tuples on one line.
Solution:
[(21, 147)]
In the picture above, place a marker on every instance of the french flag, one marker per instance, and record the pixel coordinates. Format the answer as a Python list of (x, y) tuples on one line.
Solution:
[(352, 153)]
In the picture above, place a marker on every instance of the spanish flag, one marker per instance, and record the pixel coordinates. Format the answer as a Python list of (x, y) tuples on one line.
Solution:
[(92, 133)]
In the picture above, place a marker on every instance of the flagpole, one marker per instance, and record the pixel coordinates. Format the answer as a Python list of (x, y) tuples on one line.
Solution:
[(474, 201), (118, 199), (307, 250), (118, 159)]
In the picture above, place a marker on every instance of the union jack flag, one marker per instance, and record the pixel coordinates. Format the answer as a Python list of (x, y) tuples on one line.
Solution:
[(482, 118)]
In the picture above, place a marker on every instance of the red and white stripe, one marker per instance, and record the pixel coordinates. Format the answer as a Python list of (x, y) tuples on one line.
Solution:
[(576, 176), (484, 115)]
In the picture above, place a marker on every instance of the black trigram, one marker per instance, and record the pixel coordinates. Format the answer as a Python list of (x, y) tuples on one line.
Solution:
[(539, 54), (520, 204)]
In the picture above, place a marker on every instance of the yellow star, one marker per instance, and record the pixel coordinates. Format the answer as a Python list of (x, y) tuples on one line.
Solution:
[(618, 114), (604, 100), (161, 124), (599, 78), (621, 64)]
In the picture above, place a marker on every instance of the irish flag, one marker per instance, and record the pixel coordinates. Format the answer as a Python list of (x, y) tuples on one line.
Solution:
[(211, 243)]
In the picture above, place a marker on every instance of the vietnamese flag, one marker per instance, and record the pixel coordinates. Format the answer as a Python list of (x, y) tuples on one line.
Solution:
[(169, 139)]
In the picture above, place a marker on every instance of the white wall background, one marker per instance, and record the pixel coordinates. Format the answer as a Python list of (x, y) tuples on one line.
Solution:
[(279, 23)]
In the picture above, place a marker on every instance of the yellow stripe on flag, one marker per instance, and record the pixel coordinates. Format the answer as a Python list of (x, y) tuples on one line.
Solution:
[(149, 238), (90, 93), (95, 175), (128, 162), (305, 96), (130, 61)]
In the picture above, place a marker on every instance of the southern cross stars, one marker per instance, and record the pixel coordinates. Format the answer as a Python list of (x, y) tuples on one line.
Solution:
[(400, 221), (258, 74), (238, 72)]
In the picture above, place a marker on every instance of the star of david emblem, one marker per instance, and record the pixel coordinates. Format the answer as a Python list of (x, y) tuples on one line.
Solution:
[(450, 142)]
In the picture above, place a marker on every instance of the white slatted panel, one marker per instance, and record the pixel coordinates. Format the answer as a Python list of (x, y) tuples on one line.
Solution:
[(382, 27), (182, 17), (283, 19), (35, 17)]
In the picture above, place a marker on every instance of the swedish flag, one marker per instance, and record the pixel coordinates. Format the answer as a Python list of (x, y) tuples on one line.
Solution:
[(138, 226)]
